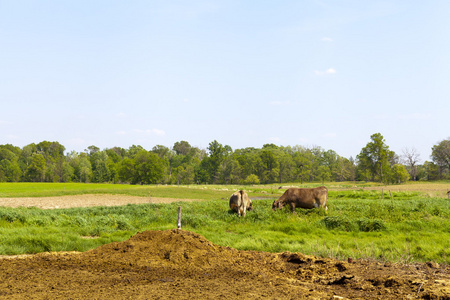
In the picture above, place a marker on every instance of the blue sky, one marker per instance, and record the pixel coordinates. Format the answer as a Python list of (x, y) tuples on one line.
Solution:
[(244, 73)]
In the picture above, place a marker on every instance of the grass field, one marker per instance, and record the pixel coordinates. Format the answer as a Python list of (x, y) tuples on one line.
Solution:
[(406, 223)]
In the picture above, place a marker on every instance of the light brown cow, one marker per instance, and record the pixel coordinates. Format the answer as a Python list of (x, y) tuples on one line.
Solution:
[(303, 198), (240, 203)]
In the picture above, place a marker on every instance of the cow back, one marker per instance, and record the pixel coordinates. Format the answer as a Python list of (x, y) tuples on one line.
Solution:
[(304, 197)]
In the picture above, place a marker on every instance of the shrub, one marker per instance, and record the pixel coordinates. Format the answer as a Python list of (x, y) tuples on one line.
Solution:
[(11, 216), (368, 225), (338, 222), (251, 179)]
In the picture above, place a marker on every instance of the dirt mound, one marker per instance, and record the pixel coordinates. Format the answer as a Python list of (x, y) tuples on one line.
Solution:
[(180, 264)]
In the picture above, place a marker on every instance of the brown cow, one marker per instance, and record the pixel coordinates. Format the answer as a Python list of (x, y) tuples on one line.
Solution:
[(240, 202), (303, 198)]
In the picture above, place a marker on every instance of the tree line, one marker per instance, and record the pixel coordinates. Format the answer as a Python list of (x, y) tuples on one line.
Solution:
[(219, 164)]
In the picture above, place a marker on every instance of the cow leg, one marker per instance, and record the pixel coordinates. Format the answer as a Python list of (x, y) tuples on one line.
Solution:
[(244, 209), (293, 207)]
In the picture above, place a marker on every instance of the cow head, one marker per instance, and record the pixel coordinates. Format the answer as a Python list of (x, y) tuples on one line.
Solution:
[(277, 205), (250, 206)]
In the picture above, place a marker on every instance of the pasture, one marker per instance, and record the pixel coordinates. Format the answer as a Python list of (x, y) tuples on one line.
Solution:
[(407, 223)]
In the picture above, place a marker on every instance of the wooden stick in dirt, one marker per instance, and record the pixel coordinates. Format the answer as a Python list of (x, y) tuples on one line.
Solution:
[(179, 217)]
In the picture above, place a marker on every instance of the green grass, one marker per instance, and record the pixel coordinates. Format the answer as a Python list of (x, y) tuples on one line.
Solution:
[(410, 227), (202, 192)]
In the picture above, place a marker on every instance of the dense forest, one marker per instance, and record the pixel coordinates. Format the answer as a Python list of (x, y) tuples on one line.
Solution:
[(219, 164)]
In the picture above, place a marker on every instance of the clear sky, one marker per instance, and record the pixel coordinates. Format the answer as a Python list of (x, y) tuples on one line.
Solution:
[(245, 73)]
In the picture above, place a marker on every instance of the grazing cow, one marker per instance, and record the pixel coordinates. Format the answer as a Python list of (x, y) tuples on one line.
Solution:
[(304, 198), (240, 203)]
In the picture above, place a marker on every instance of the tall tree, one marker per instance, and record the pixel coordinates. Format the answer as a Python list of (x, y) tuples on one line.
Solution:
[(411, 158), (149, 168), (36, 169), (441, 156), (374, 159), (303, 159), (330, 160), (286, 166), (182, 147), (217, 153), (271, 166), (100, 168)]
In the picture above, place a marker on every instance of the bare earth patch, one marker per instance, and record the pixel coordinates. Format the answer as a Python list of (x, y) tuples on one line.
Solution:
[(178, 264), (83, 201)]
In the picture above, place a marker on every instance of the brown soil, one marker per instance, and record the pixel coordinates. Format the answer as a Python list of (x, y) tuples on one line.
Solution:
[(83, 201), (177, 264)]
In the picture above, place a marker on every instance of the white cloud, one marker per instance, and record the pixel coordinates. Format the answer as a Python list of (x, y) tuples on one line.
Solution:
[(329, 71), (326, 39)]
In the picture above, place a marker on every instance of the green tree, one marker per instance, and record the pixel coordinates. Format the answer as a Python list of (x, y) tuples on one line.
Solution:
[(100, 169), (251, 179), (441, 156), (9, 166), (345, 169), (428, 171), (92, 149), (184, 175), (316, 161), (330, 159), (324, 173), (149, 168), (286, 165), (9, 171), (230, 171), (249, 161), (399, 173), (182, 148), (374, 159), (81, 169), (133, 150), (36, 169), (50, 150), (217, 153), (127, 170), (303, 160), (270, 166)]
